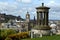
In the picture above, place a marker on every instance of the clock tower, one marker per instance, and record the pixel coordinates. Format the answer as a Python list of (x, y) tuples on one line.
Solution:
[(27, 17), (27, 24)]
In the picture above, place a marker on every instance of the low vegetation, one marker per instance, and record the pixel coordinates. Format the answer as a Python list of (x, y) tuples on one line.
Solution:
[(54, 37), (5, 32), (10, 34)]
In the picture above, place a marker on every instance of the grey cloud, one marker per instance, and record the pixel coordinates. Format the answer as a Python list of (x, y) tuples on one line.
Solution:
[(5, 6)]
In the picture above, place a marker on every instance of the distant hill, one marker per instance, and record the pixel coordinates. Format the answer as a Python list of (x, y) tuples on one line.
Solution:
[(6, 18)]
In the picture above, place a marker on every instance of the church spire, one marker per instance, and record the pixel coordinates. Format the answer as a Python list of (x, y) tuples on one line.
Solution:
[(34, 18)]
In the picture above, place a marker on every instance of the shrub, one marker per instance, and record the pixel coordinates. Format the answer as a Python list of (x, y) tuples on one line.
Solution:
[(5, 32), (23, 34), (8, 38), (14, 37), (19, 35)]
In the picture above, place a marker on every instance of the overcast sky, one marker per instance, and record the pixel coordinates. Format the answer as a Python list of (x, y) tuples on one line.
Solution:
[(20, 7)]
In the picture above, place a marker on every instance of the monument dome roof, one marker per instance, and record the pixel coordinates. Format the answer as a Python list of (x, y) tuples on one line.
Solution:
[(53, 25), (42, 7)]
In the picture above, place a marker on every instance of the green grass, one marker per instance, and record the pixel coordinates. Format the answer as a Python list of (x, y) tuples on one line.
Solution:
[(55, 37)]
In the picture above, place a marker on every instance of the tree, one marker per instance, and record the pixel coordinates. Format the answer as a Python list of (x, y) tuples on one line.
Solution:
[(5, 32)]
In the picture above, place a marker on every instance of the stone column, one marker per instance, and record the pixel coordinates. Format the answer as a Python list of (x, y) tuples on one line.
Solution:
[(42, 18), (40, 34), (46, 18), (32, 34), (37, 18)]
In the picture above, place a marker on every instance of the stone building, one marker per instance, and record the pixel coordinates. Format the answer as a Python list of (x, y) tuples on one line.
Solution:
[(2, 17), (21, 25), (27, 25)]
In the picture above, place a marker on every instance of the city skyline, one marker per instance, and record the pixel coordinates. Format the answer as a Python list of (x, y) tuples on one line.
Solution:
[(20, 7)]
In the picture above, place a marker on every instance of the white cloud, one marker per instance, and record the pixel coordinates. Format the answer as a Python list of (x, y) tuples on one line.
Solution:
[(27, 9), (54, 9), (24, 8), (24, 1), (19, 11), (5, 6), (51, 3), (30, 9), (18, 0)]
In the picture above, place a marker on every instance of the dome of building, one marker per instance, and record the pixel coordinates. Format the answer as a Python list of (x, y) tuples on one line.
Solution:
[(53, 25)]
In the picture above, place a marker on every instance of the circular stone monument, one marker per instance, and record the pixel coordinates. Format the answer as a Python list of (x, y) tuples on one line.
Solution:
[(42, 20)]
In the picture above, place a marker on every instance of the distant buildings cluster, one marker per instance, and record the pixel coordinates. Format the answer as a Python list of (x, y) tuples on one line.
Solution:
[(16, 23)]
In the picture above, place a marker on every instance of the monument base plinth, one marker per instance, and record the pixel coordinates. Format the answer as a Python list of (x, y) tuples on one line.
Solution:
[(44, 30)]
